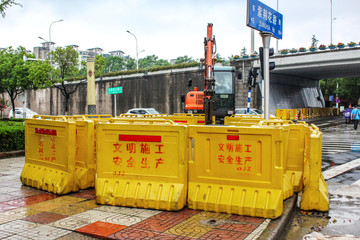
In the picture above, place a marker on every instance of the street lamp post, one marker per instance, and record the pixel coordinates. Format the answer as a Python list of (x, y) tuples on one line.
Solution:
[(331, 22), (137, 53), (50, 31)]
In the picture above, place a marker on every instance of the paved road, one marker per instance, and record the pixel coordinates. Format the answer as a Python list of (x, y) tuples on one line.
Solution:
[(340, 165)]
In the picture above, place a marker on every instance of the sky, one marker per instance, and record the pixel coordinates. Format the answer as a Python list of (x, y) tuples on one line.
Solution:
[(169, 28)]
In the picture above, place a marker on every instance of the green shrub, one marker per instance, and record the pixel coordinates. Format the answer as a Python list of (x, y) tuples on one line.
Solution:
[(12, 136)]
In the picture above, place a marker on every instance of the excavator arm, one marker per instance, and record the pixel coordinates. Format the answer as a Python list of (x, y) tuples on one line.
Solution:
[(210, 49)]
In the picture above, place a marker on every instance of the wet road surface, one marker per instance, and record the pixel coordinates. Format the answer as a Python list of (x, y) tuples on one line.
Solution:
[(340, 146)]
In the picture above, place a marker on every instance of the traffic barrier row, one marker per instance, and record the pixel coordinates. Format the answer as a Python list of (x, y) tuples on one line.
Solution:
[(305, 113), (247, 168), (180, 118), (303, 160)]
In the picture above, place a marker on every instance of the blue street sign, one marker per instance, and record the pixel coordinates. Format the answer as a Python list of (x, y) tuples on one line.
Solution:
[(263, 18)]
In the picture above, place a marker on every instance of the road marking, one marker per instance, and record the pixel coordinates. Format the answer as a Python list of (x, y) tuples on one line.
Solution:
[(335, 171)]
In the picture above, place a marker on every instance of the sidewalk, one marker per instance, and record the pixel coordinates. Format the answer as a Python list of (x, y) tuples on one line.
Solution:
[(28, 213)]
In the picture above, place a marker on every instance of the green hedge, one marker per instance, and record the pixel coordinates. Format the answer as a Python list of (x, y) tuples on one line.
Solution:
[(153, 69), (12, 135)]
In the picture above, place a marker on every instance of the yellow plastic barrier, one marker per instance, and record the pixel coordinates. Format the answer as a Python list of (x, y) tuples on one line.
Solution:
[(315, 194), (244, 119), (294, 114), (283, 114), (236, 170), (183, 118), (50, 148), (85, 162), (190, 119), (142, 164)]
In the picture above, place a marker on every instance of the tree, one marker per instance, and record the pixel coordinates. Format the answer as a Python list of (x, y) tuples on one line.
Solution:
[(99, 65), (348, 88), (6, 4), (17, 75), (314, 41), (114, 64), (66, 60), (184, 59), (130, 64)]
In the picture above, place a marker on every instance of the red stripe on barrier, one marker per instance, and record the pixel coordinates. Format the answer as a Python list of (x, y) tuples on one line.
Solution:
[(178, 121), (201, 121), (139, 138), (232, 137), (45, 131)]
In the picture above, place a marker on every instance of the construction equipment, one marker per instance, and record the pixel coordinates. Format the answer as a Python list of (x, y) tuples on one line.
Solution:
[(218, 97)]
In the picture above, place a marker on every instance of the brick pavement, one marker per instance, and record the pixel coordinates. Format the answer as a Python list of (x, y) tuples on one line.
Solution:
[(28, 213)]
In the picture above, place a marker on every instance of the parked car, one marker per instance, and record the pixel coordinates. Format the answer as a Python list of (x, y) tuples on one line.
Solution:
[(347, 115), (142, 111), (252, 111), (19, 113)]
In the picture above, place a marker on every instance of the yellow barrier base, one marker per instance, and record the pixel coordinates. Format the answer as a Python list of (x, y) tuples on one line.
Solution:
[(248, 201), (288, 189), (141, 194), (315, 197), (48, 179), (85, 177), (296, 180)]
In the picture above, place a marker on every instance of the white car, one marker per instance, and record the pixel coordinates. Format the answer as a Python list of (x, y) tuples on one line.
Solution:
[(252, 111), (142, 111), (19, 113)]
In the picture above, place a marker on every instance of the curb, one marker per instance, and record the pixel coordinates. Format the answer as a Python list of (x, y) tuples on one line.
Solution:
[(12, 154), (277, 227)]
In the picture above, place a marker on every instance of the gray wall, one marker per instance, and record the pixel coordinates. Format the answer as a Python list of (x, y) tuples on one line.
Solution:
[(163, 90)]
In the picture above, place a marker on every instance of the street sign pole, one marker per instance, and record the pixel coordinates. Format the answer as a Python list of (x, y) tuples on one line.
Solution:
[(266, 44), (115, 104), (115, 91)]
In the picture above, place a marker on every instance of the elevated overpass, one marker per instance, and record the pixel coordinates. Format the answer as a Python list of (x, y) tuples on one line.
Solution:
[(295, 81)]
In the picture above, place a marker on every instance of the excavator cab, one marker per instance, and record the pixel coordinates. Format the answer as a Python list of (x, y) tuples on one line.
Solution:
[(224, 98)]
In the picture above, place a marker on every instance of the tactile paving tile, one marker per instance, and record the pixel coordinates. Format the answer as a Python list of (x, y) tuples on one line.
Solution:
[(101, 229), (8, 190), (5, 198), (66, 200), (88, 194), (4, 234), (123, 219), (88, 204), (130, 211), (5, 207), (246, 219), (166, 236), (71, 223), (94, 215), (165, 220), (68, 210), (45, 206), (133, 233), (198, 225), (17, 226), (19, 213), (45, 217), (238, 227), (223, 234), (76, 236), (35, 199), (44, 232), (17, 237)]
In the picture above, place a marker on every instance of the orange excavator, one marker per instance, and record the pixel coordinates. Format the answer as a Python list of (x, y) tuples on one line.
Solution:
[(218, 98), (197, 101)]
